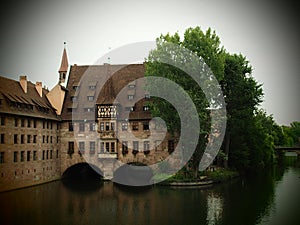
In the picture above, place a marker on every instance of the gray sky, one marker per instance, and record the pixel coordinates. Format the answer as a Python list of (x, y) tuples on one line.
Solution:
[(266, 32)]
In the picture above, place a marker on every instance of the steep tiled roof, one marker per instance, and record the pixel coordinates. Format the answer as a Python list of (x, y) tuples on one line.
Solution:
[(15, 101), (105, 81)]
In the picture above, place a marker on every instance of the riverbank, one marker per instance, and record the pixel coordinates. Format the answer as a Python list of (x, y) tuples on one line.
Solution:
[(205, 179)]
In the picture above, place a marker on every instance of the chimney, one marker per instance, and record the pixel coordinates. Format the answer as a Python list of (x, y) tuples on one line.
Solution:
[(23, 83), (39, 88)]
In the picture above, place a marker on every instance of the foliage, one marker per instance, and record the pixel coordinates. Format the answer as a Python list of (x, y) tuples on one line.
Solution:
[(205, 45), (251, 134), (221, 175), (291, 134)]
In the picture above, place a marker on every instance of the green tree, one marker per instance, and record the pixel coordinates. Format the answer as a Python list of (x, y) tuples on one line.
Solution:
[(205, 45), (242, 96)]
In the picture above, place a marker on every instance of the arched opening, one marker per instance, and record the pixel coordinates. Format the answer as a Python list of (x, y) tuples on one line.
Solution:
[(133, 174), (82, 177)]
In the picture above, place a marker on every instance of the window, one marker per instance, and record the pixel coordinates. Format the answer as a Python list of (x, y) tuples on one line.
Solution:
[(147, 96), (16, 122), (28, 138), (170, 146), (135, 146), (75, 87), (28, 156), (146, 126), (90, 98), (130, 97), (101, 126), (81, 126), (112, 125), (34, 138), (51, 125), (34, 123), (22, 156), (135, 126), (101, 147), (71, 127), (57, 154), (71, 147), (146, 147), (34, 155), (47, 125), (43, 138), (47, 154), (50, 139), (74, 98), (15, 139), (107, 146), (131, 85), (145, 108), (51, 154), (89, 109), (107, 126), (81, 146), (43, 124), (2, 138), (22, 122), (112, 146), (124, 147), (124, 126), (43, 156), (15, 156), (92, 87), (92, 126), (28, 123), (22, 138), (2, 120), (1, 157), (92, 147)]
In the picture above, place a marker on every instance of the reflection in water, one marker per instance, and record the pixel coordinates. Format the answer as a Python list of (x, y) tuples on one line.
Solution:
[(214, 208), (259, 200)]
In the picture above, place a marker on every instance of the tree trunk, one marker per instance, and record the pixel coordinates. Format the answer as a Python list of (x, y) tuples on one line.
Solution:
[(226, 151)]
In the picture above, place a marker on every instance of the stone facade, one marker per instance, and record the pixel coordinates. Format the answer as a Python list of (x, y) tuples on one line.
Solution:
[(101, 117), (29, 129)]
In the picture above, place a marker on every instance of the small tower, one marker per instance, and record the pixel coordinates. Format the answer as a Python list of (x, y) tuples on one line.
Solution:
[(63, 67)]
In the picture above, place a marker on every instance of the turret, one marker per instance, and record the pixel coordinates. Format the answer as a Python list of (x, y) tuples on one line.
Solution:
[(63, 67)]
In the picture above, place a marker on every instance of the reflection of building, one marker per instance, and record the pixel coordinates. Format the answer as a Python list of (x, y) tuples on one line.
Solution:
[(101, 114)]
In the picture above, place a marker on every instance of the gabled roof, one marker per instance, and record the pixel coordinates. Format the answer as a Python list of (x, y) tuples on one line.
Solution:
[(15, 101), (109, 81)]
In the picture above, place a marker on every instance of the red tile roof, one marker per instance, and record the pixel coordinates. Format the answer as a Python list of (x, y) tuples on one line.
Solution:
[(15, 101)]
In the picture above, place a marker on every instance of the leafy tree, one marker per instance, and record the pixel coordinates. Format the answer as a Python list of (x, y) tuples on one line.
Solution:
[(242, 96), (205, 45)]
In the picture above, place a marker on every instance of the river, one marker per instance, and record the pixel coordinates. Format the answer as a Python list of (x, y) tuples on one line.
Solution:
[(273, 198)]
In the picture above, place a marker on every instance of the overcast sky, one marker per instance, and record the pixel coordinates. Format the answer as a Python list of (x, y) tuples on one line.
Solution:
[(266, 32)]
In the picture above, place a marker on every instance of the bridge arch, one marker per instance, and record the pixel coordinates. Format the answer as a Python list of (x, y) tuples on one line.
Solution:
[(133, 174), (82, 170)]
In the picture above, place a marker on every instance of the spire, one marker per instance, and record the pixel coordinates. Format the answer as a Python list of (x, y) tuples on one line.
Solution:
[(64, 66)]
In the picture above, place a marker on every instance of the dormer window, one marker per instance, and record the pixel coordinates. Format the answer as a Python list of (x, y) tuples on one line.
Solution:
[(74, 98), (130, 97), (147, 96), (90, 98)]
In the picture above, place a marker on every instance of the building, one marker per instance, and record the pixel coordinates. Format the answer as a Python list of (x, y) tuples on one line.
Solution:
[(29, 145), (43, 133)]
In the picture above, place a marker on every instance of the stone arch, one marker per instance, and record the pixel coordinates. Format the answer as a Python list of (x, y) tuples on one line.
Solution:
[(82, 169), (133, 174)]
